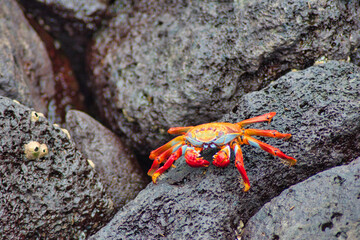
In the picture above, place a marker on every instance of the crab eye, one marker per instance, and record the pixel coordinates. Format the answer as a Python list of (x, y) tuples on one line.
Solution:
[(213, 145), (220, 133)]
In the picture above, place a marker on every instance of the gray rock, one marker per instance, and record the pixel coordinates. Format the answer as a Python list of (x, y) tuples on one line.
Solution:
[(71, 23), (79, 15), (293, 34), (32, 70), (51, 191), (115, 163), (159, 65), (25, 68), (325, 206), (319, 106)]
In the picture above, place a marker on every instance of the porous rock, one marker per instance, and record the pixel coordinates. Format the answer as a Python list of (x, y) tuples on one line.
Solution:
[(115, 163), (318, 105), (325, 206), (158, 65), (54, 196)]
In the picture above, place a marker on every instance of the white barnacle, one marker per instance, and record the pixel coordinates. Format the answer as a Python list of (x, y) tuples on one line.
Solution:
[(34, 150), (66, 132), (35, 116), (43, 150), (91, 163)]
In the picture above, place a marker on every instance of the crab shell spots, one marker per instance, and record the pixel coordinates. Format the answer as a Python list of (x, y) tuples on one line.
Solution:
[(220, 133), (206, 135)]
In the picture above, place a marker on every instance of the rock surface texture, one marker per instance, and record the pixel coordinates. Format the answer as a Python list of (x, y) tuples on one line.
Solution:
[(70, 22), (52, 194), (158, 65), (325, 206), (114, 162), (25, 68), (318, 105), (32, 70)]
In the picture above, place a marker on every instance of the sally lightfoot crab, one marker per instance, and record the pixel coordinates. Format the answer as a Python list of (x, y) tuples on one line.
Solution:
[(226, 136)]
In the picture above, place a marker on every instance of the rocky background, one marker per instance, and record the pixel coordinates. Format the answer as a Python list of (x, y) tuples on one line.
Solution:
[(141, 67)]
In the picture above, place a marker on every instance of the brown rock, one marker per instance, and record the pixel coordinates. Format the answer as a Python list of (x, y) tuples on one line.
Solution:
[(114, 162)]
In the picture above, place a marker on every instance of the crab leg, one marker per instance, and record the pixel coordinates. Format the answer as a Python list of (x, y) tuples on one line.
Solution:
[(192, 158), (263, 118), (268, 148), (163, 157), (239, 163), (166, 146), (222, 158), (266, 133), (179, 130), (173, 157)]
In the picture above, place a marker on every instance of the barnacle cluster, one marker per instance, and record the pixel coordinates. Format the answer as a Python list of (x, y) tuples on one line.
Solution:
[(36, 115), (35, 150)]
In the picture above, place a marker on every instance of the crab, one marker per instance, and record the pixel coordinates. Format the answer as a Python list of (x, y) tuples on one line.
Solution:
[(221, 135)]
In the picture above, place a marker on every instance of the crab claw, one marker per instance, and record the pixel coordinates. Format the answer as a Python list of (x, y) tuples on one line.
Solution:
[(193, 159), (222, 158), (169, 163)]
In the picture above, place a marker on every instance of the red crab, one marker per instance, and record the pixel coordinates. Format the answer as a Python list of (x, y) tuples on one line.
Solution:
[(221, 135)]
